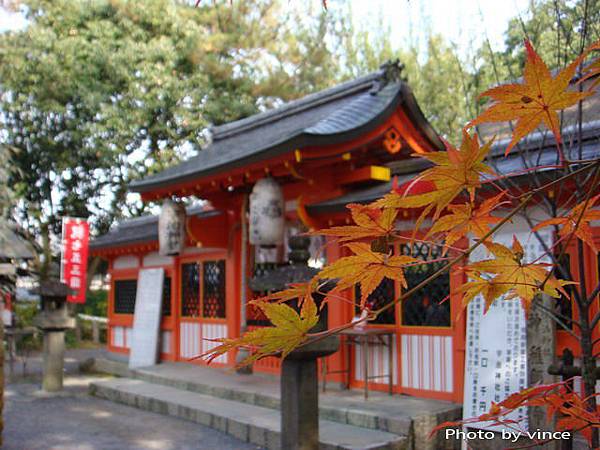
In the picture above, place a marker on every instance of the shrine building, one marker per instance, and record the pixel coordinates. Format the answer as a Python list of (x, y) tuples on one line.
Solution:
[(338, 146)]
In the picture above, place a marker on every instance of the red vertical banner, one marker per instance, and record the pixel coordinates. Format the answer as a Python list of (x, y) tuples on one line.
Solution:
[(75, 237)]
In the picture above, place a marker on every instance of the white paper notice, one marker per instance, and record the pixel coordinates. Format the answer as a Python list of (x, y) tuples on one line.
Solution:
[(146, 318)]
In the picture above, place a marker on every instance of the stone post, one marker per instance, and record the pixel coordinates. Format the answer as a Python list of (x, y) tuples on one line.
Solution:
[(300, 395), (53, 320), (541, 348), (54, 356), (95, 332), (299, 405)]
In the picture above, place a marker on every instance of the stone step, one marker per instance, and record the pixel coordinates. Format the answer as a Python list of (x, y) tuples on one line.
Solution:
[(330, 408), (247, 422)]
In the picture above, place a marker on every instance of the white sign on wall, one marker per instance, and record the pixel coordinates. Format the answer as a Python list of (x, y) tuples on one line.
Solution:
[(496, 343), (496, 357), (146, 318)]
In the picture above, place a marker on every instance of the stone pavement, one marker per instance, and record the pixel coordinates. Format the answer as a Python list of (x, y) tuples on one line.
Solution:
[(76, 421)]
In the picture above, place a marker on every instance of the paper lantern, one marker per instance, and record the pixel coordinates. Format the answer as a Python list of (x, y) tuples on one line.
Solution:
[(266, 210), (171, 228)]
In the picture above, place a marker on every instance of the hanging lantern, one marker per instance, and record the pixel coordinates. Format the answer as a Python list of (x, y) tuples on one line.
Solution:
[(171, 228), (266, 214)]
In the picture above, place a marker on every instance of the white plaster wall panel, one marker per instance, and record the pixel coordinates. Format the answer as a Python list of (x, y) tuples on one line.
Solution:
[(155, 259), (190, 336), (118, 336), (126, 262), (166, 341), (213, 331), (426, 362)]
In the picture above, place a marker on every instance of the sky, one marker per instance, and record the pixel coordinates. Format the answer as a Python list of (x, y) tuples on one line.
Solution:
[(459, 21)]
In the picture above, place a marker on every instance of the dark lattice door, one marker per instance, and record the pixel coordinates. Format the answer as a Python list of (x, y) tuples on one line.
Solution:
[(213, 292), (166, 297), (190, 289), (124, 295)]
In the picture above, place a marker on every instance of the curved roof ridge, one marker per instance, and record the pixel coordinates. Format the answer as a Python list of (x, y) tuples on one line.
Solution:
[(295, 106)]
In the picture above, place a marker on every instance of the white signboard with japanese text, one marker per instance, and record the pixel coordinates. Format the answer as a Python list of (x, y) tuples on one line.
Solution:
[(496, 357), (146, 318), (496, 343)]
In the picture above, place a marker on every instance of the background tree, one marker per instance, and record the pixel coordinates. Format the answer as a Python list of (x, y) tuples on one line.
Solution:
[(95, 94)]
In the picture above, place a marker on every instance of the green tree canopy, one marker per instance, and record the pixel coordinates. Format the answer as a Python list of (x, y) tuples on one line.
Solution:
[(96, 93)]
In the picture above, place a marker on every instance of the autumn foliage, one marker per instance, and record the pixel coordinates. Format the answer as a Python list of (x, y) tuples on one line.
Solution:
[(459, 193)]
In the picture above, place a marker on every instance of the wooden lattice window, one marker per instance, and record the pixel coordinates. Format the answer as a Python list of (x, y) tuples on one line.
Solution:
[(430, 306), (203, 289), (166, 297), (190, 289), (124, 294), (213, 289)]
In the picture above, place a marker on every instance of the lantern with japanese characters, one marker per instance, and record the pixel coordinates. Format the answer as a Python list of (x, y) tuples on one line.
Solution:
[(266, 213), (171, 228)]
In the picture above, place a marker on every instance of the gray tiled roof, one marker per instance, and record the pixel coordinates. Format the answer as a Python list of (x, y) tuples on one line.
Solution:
[(12, 245), (333, 115), (139, 229)]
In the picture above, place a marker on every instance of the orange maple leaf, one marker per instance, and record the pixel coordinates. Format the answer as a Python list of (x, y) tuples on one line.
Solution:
[(288, 332), (577, 221), (366, 268), (455, 170), (538, 99), (464, 219), (506, 274), (370, 223)]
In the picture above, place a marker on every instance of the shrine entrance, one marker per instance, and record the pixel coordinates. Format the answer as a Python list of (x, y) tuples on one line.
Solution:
[(202, 313)]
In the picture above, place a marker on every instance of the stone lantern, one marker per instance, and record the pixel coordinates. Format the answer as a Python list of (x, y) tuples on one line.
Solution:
[(53, 320), (171, 228), (299, 376)]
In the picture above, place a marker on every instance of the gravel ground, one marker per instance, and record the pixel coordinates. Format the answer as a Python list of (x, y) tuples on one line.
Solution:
[(74, 420)]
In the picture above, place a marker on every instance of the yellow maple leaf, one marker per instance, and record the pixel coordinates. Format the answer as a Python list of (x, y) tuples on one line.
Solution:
[(576, 221), (288, 332), (463, 219), (370, 223), (538, 99), (295, 291), (455, 170), (366, 268), (507, 274)]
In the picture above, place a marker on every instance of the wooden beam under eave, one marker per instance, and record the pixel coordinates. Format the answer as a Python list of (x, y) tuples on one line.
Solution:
[(365, 174)]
